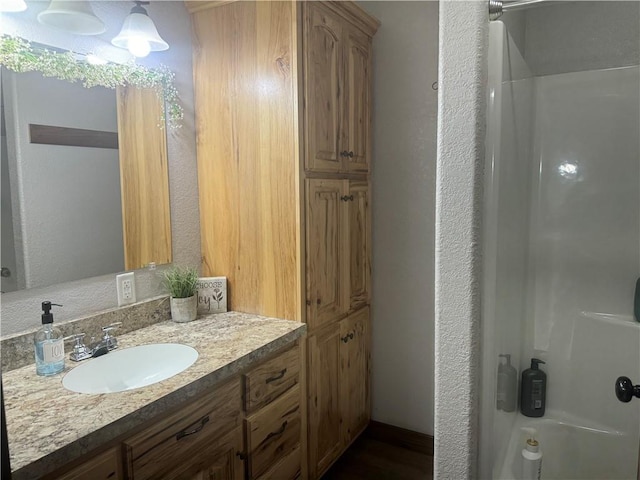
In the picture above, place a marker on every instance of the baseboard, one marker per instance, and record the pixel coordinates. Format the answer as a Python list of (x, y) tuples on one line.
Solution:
[(418, 442)]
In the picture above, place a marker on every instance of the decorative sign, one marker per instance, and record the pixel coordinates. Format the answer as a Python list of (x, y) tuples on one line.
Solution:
[(212, 295)]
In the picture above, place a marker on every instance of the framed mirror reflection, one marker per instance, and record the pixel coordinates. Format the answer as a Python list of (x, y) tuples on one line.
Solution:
[(84, 181)]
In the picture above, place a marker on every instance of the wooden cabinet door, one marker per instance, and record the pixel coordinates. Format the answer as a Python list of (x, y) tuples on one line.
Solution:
[(357, 126), (327, 290), (323, 104), (325, 436), (102, 467), (359, 245), (354, 374), (220, 460)]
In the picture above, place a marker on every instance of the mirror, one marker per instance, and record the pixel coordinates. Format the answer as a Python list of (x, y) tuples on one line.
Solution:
[(84, 181)]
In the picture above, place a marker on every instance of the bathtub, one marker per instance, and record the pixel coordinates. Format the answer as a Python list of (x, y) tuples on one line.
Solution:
[(573, 450)]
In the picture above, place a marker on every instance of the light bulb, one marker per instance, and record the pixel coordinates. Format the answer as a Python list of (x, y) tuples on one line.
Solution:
[(12, 6), (139, 47)]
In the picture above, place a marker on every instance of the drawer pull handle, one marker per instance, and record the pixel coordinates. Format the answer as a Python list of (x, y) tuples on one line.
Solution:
[(277, 377), (185, 433), (279, 432)]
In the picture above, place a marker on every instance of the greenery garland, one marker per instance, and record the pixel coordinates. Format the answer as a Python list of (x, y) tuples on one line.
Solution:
[(18, 55)]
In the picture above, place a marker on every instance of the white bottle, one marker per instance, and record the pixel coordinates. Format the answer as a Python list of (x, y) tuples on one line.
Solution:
[(531, 456)]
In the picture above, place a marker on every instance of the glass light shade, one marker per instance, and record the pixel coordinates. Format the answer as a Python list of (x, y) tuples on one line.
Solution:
[(139, 35), (74, 16), (13, 6)]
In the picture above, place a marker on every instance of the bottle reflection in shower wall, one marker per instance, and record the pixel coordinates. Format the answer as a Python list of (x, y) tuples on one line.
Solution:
[(49, 345), (533, 390), (507, 385)]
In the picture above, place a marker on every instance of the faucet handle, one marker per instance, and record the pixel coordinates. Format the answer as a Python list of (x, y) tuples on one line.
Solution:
[(80, 350), (108, 340), (113, 326)]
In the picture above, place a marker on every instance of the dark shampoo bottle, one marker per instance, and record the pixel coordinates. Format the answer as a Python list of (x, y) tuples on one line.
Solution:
[(533, 390)]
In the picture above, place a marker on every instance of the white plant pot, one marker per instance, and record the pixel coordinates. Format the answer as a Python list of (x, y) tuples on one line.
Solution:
[(184, 309)]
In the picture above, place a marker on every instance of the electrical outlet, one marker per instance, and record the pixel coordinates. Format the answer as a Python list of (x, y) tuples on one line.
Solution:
[(126, 286)]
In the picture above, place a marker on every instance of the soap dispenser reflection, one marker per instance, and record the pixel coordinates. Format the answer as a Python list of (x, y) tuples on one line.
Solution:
[(507, 385)]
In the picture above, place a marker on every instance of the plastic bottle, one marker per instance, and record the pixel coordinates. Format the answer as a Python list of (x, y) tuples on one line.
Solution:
[(531, 456), (507, 385), (48, 345), (533, 391)]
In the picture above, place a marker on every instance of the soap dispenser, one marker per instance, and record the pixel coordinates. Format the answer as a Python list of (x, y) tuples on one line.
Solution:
[(533, 390), (49, 344), (507, 385)]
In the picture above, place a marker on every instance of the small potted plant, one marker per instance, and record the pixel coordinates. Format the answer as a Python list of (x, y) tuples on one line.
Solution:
[(182, 284)]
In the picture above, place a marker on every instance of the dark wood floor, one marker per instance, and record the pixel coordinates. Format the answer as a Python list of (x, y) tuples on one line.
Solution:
[(373, 459)]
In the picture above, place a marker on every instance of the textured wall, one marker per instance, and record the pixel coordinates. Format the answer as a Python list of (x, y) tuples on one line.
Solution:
[(461, 129), (404, 152), (577, 36), (21, 310)]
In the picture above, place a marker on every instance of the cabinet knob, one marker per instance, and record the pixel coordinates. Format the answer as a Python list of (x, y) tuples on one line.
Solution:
[(308, 303), (344, 153), (319, 301), (350, 154), (241, 455)]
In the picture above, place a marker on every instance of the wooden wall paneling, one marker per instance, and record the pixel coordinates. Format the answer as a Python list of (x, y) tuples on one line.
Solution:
[(144, 178), (248, 153)]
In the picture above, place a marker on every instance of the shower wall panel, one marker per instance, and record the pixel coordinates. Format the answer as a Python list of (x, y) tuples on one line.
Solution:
[(509, 144), (585, 244)]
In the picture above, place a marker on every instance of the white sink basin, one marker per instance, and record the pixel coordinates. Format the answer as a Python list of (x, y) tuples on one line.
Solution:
[(130, 368)]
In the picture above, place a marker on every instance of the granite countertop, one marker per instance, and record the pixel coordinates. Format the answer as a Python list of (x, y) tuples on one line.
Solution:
[(48, 426)]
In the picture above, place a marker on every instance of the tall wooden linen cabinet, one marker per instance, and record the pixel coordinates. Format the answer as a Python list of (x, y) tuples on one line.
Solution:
[(283, 121)]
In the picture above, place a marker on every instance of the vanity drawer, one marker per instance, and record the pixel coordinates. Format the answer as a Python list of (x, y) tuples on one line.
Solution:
[(272, 378), (273, 433), (170, 440), (103, 466)]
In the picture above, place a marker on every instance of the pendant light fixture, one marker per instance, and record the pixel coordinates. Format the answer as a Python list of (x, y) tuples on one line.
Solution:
[(13, 6), (74, 16), (139, 34)]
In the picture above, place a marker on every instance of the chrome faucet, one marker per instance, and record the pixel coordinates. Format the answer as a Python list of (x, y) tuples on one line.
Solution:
[(107, 343)]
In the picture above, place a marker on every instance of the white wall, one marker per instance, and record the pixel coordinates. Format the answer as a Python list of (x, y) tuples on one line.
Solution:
[(403, 200), (71, 215), (21, 310), (461, 131), (575, 36)]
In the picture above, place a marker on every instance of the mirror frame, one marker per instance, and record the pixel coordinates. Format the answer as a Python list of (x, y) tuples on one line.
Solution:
[(20, 55)]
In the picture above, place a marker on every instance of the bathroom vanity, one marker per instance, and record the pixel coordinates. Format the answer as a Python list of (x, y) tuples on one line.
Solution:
[(235, 413)]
